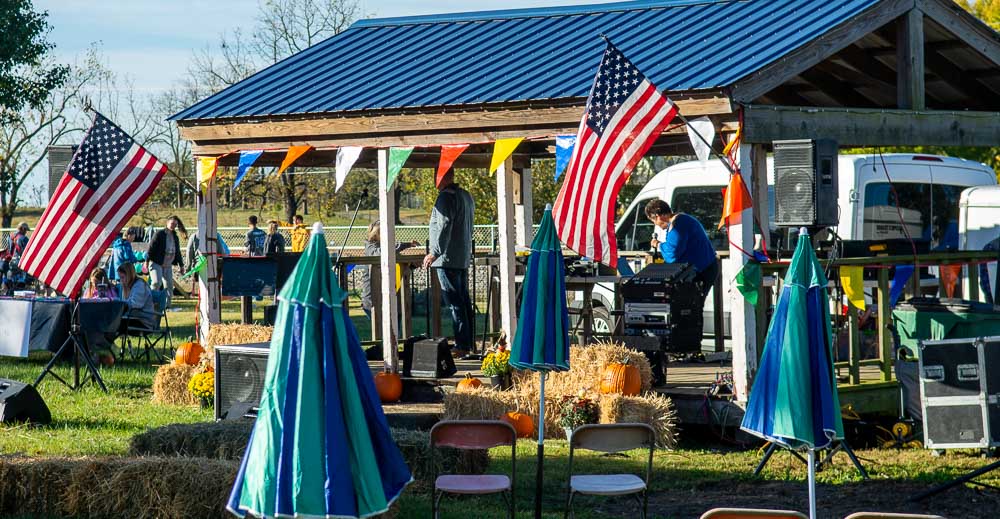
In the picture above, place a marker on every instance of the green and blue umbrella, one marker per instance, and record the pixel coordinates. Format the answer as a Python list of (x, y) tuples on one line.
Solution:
[(794, 400), (321, 445), (541, 342)]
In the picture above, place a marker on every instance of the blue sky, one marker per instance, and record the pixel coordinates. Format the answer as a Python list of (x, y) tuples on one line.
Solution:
[(152, 41)]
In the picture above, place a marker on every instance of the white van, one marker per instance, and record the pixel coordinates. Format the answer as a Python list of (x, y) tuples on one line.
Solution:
[(928, 188), (979, 229)]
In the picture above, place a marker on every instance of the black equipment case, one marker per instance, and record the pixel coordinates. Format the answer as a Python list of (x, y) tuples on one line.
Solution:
[(663, 301), (960, 392)]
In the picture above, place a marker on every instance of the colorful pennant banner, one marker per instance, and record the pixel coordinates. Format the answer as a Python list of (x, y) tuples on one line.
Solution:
[(737, 200), (397, 158), (346, 157), (564, 151), (207, 166), (899, 280), (853, 281), (449, 153), (247, 158), (502, 149), (748, 281), (294, 152), (701, 132)]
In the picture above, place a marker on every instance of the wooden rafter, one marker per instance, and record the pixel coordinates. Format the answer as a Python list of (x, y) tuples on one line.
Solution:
[(838, 89)]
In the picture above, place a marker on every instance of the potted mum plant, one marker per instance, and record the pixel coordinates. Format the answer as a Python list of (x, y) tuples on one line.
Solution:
[(202, 386), (496, 366), (577, 410)]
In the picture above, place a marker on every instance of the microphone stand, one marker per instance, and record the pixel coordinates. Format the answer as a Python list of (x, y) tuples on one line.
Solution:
[(340, 255)]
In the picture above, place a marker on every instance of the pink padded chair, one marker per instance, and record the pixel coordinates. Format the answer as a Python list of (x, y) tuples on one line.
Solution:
[(751, 513), (474, 435), (611, 438), (884, 515)]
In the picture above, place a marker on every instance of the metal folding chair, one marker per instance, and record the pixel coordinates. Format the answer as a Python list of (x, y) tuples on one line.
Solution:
[(139, 340), (885, 515), (611, 438), (474, 435), (751, 513)]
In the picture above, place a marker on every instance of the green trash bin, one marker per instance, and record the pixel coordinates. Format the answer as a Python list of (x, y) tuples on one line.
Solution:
[(929, 318)]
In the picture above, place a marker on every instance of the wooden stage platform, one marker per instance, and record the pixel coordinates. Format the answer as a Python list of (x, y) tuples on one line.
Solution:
[(687, 385)]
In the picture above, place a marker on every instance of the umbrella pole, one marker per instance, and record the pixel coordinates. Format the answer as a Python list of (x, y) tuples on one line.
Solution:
[(812, 484), (541, 445)]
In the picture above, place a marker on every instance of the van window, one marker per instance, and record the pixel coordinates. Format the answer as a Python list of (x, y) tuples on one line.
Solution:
[(635, 230), (705, 204), (930, 212)]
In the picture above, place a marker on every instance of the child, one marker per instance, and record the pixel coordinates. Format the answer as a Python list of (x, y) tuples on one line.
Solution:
[(99, 286)]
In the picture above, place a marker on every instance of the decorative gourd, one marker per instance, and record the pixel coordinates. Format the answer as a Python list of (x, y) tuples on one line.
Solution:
[(469, 383), (621, 378), (189, 353), (389, 386), (523, 424)]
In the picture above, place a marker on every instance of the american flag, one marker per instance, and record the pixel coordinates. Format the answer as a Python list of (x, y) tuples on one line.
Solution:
[(109, 177), (624, 116)]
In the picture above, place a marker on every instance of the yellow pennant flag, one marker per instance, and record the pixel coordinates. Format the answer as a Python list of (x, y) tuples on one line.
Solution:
[(853, 281), (294, 152), (502, 149), (206, 169)]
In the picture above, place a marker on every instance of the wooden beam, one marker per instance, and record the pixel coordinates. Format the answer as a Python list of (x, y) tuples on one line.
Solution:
[(505, 223), (977, 95), (866, 127), (743, 316), (523, 207), (387, 264), (838, 89), (964, 26), (417, 124), (869, 64), (778, 72), (910, 61), (209, 287)]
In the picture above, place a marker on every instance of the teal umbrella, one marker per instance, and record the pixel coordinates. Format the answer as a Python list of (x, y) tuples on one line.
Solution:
[(794, 400), (321, 445), (542, 339)]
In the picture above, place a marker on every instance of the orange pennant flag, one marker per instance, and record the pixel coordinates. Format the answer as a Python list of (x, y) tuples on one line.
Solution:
[(736, 200), (449, 152), (294, 152)]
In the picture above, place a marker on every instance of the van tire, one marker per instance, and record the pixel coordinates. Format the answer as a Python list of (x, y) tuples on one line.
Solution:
[(602, 321)]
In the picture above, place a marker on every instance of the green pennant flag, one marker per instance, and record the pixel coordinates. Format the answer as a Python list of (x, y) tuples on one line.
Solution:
[(748, 281), (397, 157)]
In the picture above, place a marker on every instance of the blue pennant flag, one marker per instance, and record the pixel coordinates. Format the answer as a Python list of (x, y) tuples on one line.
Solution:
[(564, 150), (903, 273), (247, 158)]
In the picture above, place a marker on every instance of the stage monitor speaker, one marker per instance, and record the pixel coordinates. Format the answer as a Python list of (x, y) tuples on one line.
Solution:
[(805, 183), (427, 358), (239, 379), (20, 402)]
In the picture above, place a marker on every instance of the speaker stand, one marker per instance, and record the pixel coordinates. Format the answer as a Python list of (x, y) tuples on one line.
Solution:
[(841, 445), (76, 340), (967, 478)]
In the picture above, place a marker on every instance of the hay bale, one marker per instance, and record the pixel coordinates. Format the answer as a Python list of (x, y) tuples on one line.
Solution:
[(170, 384), (586, 370), (487, 404), (225, 440), (653, 409), (165, 488), (233, 333)]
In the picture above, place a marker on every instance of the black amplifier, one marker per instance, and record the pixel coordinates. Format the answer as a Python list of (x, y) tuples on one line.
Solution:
[(659, 283), (427, 358), (960, 392), (663, 301)]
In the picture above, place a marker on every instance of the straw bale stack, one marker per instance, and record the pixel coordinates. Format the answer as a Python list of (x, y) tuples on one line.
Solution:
[(488, 404), (170, 384), (233, 333), (653, 409), (586, 370)]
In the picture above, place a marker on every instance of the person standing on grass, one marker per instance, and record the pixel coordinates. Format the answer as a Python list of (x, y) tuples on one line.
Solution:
[(300, 235), (450, 236), (274, 243), (164, 253), (122, 253), (254, 244)]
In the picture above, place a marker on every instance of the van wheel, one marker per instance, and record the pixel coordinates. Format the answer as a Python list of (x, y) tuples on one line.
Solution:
[(602, 321)]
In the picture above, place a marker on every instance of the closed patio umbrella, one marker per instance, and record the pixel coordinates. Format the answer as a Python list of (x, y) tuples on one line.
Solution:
[(321, 445), (542, 339), (794, 400)]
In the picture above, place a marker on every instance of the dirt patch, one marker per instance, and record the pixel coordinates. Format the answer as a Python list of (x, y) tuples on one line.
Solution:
[(833, 501)]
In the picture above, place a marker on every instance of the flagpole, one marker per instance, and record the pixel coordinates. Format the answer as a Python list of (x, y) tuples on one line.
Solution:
[(541, 444), (812, 484)]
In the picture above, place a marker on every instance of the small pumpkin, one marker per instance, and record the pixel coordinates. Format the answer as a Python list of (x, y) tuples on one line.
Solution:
[(523, 424), (389, 386), (189, 353), (106, 359), (469, 383), (621, 378)]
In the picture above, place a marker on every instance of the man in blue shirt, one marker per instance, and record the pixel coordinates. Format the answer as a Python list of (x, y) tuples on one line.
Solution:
[(686, 242)]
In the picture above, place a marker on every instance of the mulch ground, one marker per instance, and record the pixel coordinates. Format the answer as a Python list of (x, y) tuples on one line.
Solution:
[(833, 502)]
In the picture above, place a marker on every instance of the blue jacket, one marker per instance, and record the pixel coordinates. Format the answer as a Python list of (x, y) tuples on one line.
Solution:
[(687, 242), (121, 252)]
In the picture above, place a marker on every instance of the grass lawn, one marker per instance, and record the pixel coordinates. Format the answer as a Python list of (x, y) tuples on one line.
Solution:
[(700, 474)]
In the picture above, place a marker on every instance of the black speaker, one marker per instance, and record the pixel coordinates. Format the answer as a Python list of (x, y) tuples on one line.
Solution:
[(20, 402), (805, 183), (427, 358), (239, 379)]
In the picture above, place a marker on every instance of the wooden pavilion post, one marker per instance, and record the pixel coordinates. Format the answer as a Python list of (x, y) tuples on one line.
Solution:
[(505, 222), (744, 323), (523, 204), (387, 263), (209, 309)]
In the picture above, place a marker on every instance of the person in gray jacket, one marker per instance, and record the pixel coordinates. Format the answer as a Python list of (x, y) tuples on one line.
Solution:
[(450, 251)]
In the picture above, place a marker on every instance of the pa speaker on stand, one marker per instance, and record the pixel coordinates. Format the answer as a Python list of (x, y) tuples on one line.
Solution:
[(20, 402)]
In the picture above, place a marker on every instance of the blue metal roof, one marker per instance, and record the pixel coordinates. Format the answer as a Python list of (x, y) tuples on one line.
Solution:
[(527, 54)]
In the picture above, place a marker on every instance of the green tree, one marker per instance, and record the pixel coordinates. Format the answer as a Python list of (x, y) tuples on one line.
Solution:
[(986, 10), (27, 77)]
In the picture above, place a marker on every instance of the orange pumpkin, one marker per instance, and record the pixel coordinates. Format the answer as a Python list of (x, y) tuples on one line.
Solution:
[(468, 384), (189, 353), (389, 386), (523, 424), (621, 378), (106, 359)]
